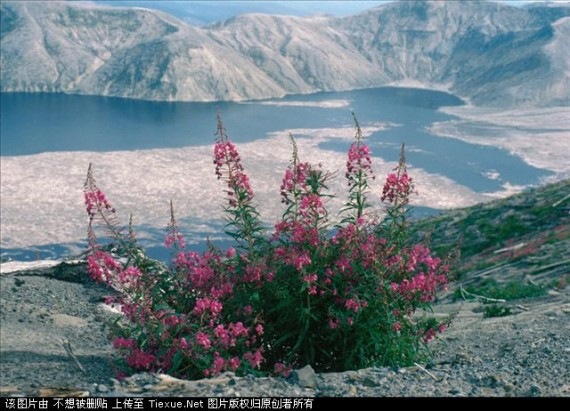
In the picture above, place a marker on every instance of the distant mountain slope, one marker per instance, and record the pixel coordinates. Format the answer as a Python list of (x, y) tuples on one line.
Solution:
[(490, 53)]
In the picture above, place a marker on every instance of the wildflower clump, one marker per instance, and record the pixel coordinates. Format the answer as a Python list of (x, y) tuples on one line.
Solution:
[(338, 297)]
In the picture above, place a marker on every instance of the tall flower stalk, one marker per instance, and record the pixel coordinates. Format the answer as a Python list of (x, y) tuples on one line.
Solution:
[(358, 172), (243, 223)]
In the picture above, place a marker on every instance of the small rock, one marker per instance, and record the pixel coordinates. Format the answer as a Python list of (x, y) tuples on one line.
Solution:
[(305, 377), (490, 381), (65, 320), (148, 387), (534, 390), (369, 382), (454, 391), (102, 388)]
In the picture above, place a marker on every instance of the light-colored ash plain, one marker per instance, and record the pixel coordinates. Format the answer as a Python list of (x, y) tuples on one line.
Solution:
[(42, 200)]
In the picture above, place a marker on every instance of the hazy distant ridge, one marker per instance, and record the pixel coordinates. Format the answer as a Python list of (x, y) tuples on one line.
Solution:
[(493, 54)]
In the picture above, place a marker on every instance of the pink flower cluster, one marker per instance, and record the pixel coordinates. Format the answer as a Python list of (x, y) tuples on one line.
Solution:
[(430, 277), (354, 305), (359, 164), (255, 358), (421, 284), (102, 267), (96, 200), (397, 188), (212, 306), (139, 359), (294, 181), (430, 333), (281, 369), (229, 167), (172, 238)]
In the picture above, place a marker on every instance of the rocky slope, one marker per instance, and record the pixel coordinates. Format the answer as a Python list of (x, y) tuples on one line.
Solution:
[(490, 53), (524, 353)]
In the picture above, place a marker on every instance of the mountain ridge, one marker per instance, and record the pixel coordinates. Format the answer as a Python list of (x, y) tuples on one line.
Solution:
[(488, 53)]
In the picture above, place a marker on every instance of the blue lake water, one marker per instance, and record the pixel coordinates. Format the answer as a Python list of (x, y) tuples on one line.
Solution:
[(38, 123)]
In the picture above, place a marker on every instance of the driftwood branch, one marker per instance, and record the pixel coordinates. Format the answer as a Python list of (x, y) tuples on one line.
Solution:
[(464, 293), (561, 201), (426, 371), (67, 346)]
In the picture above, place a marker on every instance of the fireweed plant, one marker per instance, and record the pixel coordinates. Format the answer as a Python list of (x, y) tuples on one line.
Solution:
[(336, 297)]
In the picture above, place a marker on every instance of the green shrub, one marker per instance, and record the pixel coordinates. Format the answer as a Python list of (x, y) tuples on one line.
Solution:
[(336, 297)]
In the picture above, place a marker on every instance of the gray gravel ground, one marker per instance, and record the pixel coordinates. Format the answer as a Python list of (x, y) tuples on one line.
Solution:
[(524, 354)]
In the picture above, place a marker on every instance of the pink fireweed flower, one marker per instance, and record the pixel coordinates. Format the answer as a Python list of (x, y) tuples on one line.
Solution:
[(171, 320), (259, 329), (352, 305), (218, 365), (238, 330), (96, 200), (294, 181), (281, 369), (254, 359), (204, 304), (424, 285), (344, 265), (102, 267), (396, 326), (140, 359), (223, 335), (121, 342), (397, 188), (234, 363), (129, 275), (429, 335), (203, 340), (359, 164), (301, 261), (229, 168), (311, 208), (253, 273), (174, 238)]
